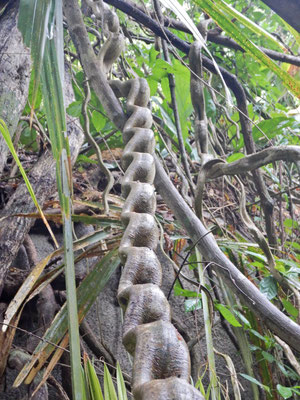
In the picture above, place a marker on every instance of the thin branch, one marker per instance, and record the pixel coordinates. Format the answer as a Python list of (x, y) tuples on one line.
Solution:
[(93, 143), (254, 161)]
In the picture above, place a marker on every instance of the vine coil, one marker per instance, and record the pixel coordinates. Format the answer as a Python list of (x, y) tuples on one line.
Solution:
[(161, 366)]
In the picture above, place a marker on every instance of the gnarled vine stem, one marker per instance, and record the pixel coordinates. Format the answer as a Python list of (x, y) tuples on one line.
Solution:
[(161, 367)]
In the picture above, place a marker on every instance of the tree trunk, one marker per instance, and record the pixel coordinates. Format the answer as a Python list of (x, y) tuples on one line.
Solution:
[(14, 74)]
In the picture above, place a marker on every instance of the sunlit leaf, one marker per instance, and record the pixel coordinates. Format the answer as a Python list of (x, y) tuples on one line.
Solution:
[(109, 389), (122, 395), (253, 380), (284, 391), (227, 314)]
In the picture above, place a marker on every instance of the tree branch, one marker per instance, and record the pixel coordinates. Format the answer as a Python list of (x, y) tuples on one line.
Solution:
[(137, 13), (274, 319), (254, 161)]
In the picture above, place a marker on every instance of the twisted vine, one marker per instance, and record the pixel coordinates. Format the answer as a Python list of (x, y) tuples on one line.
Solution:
[(161, 367)]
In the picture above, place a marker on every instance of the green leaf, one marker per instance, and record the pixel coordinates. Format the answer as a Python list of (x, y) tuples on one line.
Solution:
[(152, 85), (166, 89), (122, 395), (6, 135), (98, 120), (33, 24), (253, 380), (268, 356), (92, 380), (192, 305), (284, 391), (272, 127), (179, 291), (235, 157), (74, 109), (248, 23), (268, 286), (290, 308), (183, 96), (161, 69), (227, 314), (109, 389)]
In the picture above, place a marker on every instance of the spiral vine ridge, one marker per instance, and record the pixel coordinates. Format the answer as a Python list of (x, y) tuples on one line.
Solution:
[(161, 367)]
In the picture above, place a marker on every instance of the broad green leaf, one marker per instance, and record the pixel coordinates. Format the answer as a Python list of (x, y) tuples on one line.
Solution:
[(214, 11), (98, 120), (268, 356), (161, 69), (272, 127), (284, 391), (153, 84), (268, 286), (227, 314), (178, 291), (253, 380), (75, 109), (290, 308), (192, 305), (183, 96)]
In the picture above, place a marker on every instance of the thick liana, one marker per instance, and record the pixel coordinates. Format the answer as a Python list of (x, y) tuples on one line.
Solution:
[(161, 367)]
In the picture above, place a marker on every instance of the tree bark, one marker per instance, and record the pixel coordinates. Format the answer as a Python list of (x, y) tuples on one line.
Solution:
[(43, 178), (14, 74)]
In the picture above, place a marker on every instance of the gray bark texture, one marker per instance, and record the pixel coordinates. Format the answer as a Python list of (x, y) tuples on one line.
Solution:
[(14, 74), (43, 179), (14, 80)]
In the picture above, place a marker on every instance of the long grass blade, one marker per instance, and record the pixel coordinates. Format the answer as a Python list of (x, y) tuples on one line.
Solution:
[(33, 24), (7, 138), (215, 393), (233, 13)]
